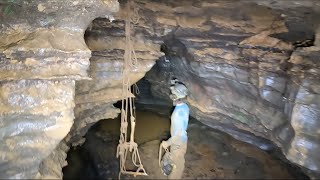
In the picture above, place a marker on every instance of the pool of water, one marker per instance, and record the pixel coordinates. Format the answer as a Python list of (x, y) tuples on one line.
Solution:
[(211, 154), (149, 126)]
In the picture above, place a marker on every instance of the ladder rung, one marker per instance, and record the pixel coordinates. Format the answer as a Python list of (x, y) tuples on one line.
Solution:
[(135, 173)]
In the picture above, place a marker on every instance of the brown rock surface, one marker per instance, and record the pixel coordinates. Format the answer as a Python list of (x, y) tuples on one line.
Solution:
[(95, 98), (244, 69), (240, 60), (42, 53)]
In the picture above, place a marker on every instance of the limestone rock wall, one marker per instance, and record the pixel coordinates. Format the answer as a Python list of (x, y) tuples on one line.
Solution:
[(242, 62), (303, 108), (35, 116), (42, 53), (245, 68), (95, 98)]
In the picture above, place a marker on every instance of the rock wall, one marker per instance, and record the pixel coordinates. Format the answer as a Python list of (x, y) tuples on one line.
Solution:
[(304, 108), (95, 98), (243, 62), (42, 53), (246, 66)]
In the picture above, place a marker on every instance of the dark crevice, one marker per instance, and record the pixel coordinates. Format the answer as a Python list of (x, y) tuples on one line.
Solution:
[(305, 43)]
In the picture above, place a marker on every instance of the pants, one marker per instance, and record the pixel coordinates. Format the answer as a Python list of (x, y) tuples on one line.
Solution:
[(177, 153)]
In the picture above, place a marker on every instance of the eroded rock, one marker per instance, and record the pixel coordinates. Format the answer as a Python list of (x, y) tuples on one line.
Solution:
[(245, 74), (95, 98), (35, 116), (243, 69), (42, 53)]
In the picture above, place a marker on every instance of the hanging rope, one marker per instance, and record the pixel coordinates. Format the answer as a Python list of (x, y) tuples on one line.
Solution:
[(127, 106)]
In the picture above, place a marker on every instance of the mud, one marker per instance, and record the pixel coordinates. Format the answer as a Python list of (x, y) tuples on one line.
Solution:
[(210, 154)]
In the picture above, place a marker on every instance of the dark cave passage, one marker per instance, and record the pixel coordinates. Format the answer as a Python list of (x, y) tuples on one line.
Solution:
[(251, 68), (96, 158), (211, 153)]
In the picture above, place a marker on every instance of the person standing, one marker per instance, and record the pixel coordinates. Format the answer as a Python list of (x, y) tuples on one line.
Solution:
[(178, 130)]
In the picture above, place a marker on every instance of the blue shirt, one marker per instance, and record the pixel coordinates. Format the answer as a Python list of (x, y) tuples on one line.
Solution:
[(179, 124)]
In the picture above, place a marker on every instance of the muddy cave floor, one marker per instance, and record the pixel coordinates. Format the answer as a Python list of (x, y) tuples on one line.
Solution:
[(210, 154)]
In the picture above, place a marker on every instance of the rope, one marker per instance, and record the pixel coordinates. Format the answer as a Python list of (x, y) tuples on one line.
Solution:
[(160, 153), (127, 104), (166, 157)]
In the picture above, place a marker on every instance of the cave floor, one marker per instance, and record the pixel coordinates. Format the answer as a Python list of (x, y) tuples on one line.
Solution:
[(211, 154)]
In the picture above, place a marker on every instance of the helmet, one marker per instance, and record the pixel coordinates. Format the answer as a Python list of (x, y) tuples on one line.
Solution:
[(178, 91)]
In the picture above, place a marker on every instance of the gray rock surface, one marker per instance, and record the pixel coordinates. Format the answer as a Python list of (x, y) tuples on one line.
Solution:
[(35, 116), (246, 66), (251, 67), (42, 53), (95, 98)]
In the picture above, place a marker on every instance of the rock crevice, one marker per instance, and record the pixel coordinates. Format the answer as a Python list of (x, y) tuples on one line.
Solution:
[(42, 53), (240, 60)]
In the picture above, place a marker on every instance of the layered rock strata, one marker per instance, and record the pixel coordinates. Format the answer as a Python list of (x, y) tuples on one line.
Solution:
[(245, 66), (95, 98), (43, 52), (242, 62)]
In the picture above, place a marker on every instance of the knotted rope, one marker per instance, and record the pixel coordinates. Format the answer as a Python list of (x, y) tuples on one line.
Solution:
[(127, 105)]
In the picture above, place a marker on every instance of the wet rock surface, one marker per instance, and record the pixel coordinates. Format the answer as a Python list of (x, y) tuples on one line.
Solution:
[(246, 70), (95, 98), (210, 154), (37, 115), (42, 53), (44, 40), (251, 68)]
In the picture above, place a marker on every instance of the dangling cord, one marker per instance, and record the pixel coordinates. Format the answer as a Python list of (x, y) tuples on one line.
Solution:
[(127, 103)]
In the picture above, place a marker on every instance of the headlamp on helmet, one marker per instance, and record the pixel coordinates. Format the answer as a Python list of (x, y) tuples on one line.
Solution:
[(178, 91)]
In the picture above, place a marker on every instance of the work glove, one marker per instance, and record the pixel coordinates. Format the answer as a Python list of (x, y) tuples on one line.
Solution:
[(165, 144)]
